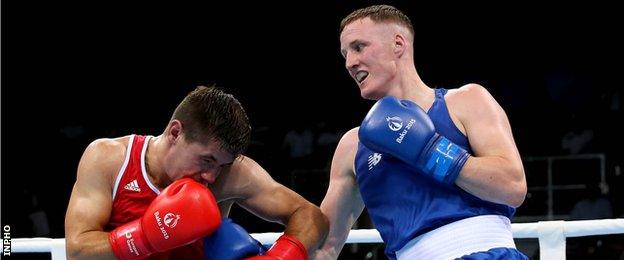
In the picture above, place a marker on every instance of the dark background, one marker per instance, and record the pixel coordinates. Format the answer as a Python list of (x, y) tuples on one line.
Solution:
[(74, 72)]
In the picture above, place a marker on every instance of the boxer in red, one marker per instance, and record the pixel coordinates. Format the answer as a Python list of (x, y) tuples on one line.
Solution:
[(155, 197)]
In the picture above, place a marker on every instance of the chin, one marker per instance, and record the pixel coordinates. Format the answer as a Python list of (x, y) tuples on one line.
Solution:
[(367, 97), (370, 95), (365, 93), (370, 91)]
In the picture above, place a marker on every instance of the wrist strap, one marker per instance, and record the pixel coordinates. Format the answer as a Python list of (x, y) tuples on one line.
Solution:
[(289, 248), (127, 241), (445, 160)]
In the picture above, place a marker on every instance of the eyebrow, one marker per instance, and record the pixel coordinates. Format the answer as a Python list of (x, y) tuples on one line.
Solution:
[(211, 157), (352, 44)]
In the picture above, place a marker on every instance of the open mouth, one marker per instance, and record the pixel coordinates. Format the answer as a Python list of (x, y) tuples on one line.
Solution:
[(361, 76)]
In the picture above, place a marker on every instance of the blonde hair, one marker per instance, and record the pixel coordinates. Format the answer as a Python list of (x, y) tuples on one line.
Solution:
[(379, 13)]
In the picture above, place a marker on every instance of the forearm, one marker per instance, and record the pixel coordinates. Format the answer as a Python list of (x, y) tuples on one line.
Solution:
[(495, 179), (309, 226), (89, 245)]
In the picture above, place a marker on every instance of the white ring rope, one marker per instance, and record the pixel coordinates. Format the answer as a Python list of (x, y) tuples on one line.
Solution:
[(551, 235)]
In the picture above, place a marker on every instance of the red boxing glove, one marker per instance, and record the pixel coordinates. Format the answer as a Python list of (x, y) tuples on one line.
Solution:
[(182, 213), (285, 248)]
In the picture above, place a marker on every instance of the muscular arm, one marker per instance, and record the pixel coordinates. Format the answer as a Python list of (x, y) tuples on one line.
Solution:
[(495, 172), (273, 202), (342, 204), (91, 201)]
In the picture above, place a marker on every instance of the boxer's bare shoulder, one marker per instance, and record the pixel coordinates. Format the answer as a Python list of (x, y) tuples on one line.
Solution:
[(107, 155), (465, 102)]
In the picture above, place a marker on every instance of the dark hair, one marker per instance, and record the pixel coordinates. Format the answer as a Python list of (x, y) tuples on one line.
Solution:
[(378, 13), (208, 113)]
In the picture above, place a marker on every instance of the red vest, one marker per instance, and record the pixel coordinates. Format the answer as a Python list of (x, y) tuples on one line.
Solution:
[(133, 192)]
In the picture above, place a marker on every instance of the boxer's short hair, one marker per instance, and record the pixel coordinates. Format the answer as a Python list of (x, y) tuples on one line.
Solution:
[(379, 13), (208, 113)]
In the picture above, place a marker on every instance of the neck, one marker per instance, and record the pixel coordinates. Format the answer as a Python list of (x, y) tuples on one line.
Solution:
[(155, 153), (410, 86)]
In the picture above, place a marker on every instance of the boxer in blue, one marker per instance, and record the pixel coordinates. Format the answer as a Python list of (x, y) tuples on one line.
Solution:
[(438, 170)]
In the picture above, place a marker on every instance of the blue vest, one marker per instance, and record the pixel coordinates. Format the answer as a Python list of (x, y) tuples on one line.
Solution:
[(404, 203)]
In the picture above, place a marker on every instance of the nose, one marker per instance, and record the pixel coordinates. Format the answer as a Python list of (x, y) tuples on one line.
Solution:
[(352, 61), (209, 176)]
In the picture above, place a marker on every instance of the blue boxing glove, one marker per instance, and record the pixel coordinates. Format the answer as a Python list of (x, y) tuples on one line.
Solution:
[(231, 242), (403, 130)]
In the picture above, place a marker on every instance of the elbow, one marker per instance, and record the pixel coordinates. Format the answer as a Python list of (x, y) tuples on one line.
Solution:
[(517, 192), (517, 197), (81, 247), (73, 248)]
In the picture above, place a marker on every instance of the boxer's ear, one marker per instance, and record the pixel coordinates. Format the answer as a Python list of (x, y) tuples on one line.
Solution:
[(399, 44), (174, 131)]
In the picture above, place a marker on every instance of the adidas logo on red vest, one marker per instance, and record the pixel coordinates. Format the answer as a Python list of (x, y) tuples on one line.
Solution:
[(133, 186)]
